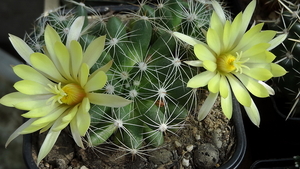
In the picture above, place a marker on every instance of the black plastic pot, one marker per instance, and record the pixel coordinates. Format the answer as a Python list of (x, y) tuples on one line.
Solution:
[(232, 163)]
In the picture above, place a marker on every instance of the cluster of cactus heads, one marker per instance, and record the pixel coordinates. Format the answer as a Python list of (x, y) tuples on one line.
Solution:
[(288, 55), (147, 67)]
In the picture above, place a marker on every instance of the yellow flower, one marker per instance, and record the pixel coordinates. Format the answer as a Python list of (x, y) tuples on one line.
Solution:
[(57, 89), (235, 60)]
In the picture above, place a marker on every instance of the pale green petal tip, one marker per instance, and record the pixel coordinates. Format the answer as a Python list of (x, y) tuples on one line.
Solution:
[(21, 47), (253, 113), (189, 40), (219, 11), (195, 63)]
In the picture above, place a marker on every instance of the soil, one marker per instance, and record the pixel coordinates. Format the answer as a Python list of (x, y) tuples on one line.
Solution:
[(206, 144)]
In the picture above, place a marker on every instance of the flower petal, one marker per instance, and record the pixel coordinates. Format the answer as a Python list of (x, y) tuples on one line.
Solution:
[(277, 70), (54, 115), (30, 87), (201, 79), (106, 67), (195, 63), (48, 144), (29, 105), (219, 11), (44, 64), (83, 74), (16, 133), (96, 81), (76, 57), (75, 133), (209, 65), (269, 88), (65, 118), (63, 58), (51, 37), (207, 105), (21, 47), (11, 99), (239, 91), (224, 87), (253, 86), (214, 84), (83, 121), (28, 73), (203, 53), (226, 104), (40, 111), (258, 73), (189, 40), (108, 100), (94, 51), (247, 15), (253, 113), (75, 30), (214, 41), (277, 41)]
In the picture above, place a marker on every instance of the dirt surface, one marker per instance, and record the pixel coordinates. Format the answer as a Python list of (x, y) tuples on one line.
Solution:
[(206, 144)]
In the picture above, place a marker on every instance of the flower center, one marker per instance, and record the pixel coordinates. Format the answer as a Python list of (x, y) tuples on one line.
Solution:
[(228, 63), (225, 63), (70, 94)]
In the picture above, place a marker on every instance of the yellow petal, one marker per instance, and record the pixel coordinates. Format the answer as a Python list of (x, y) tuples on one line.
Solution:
[(30, 87), (189, 40), (253, 113), (200, 80), (224, 87), (235, 31), (63, 58), (47, 144), (258, 73), (277, 41), (248, 36), (94, 51), (239, 91), (214, 84), (11, 99), (28, 73), (253, 86), (209, 65), (29, 105), (83, 120), (247, 15), (44, 64), (216, 24), (75, 133), (106, 67), (203, 53), (219, 11), (214, 41), (108, 100), (96, 81), (51, 37), (21, 47), (226, 104), (64, 120), (277, 70), (39, 112), (54, 115), (83, 74), (76, 57)]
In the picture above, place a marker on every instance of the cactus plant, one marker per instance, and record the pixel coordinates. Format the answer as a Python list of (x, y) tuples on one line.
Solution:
[(147, 67)]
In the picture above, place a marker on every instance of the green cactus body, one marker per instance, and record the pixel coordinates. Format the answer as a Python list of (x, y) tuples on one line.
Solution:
[(288, 54)]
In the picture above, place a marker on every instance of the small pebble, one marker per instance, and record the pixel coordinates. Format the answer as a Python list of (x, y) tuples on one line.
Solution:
[(185, 162), (197, 137), (189, 148), (83, 167)]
